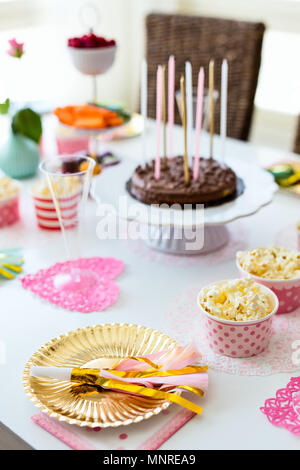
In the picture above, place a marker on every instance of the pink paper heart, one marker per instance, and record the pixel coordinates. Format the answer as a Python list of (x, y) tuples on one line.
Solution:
[(91, 300)]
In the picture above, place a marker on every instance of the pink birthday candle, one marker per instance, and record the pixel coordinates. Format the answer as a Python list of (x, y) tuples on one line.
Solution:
[(198, 121), (171, 105), (158, 120)]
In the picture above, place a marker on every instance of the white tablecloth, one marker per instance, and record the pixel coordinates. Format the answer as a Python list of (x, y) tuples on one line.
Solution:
[(231, 417)]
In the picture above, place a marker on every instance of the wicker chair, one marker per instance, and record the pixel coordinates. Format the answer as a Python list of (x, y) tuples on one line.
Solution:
[(199, 39), (296, 148)]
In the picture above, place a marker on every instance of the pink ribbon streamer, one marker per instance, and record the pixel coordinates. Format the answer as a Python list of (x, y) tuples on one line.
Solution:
[(173, 359)]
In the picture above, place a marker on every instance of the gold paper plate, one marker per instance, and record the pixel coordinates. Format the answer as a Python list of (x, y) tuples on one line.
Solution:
[(75, 349)]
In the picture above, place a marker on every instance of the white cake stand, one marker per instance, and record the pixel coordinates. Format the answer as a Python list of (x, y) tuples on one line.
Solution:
[(208, 225)]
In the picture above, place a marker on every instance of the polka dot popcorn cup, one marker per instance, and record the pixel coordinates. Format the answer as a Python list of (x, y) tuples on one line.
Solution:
[(239, 339), (287, 290)]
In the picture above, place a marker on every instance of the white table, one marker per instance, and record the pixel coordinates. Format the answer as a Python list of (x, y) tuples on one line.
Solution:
[(231, 417)]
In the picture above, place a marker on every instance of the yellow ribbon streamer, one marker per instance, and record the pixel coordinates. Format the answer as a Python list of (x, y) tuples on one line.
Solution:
[(195, 390), (6, 273), (91, 376), (140, 359), (12, 267), (160, 373)]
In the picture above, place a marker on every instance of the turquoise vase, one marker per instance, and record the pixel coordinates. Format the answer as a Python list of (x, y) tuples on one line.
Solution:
[(19, 156)]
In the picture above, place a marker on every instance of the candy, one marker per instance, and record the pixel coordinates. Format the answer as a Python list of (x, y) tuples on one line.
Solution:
[(84, 166), (90, 41)]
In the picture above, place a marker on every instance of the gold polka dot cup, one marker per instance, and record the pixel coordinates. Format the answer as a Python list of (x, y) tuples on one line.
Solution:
[(239, 339)]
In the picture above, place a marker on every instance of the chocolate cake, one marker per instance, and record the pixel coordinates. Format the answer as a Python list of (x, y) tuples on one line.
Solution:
[(216, 182)]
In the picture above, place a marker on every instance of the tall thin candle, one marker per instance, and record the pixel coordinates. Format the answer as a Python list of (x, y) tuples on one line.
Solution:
[(223, 123), (199, 114), (164, 115), (189, 106), (158, 120), (171, 103), (185, 158), (211, 105), (144, 104)]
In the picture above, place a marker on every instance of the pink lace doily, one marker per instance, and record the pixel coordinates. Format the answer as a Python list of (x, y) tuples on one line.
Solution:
[(238, 236), (91, 300), (185, 323), (282, 410)]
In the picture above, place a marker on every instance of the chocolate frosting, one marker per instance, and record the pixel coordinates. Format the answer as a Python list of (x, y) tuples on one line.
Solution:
[(216, 181)]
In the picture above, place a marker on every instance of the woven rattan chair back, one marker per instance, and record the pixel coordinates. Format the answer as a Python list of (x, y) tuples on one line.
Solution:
[(199, 39)]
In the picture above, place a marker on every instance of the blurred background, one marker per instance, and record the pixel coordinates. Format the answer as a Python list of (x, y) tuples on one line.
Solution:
[(47, 74)]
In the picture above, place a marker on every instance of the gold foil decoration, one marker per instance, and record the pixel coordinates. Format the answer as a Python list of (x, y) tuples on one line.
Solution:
[(92, 377), (159, 373), (62, 400), (138, 389)]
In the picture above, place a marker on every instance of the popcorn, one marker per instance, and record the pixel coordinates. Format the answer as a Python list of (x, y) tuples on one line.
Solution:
[(236, 300), (62, 187), (271, 262), (8, 187)]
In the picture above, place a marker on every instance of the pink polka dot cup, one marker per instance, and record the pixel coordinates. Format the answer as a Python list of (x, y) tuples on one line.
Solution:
[(239, 338), (287, 290)]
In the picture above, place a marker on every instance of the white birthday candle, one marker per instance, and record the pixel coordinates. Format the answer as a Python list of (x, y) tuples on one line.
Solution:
[(189, 107), (223, 123), (144, 105), (159, 78)]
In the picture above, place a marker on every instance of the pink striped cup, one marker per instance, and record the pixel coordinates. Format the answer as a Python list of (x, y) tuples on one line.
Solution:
[(287, 290), (46, 212), (239, 338)]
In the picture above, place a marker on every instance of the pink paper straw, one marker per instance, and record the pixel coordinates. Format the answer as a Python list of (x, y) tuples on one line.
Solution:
[(171, 104), (158, 120), (198, 121), (189, 107), (224, 91)]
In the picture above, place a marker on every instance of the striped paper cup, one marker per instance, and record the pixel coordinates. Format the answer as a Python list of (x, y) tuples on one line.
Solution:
[(47, 215)]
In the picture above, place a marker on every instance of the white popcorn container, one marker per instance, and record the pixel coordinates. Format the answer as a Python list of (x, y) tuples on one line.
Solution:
[(239, 339)]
